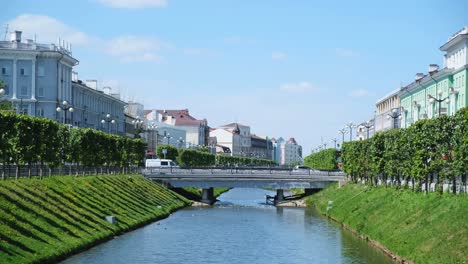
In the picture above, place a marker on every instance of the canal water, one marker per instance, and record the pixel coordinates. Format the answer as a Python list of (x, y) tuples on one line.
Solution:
[(240, 228)]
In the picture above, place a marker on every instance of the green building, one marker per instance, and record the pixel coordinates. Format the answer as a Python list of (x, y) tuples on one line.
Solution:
[(440, 91)]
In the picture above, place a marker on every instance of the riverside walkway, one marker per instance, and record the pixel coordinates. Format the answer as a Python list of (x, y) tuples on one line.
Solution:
[(276, 179)]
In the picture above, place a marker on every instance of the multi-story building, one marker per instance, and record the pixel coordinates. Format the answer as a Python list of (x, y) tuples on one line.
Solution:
[(287, 152), (440, 91), (157, 133), (37, 76), (39, 79), (197, 131), (387, 112), (291, 153), (261, 147), (229, 137), (92, 107)]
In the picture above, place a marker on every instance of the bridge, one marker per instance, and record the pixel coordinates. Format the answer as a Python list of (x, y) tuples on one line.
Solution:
[(276, 179)]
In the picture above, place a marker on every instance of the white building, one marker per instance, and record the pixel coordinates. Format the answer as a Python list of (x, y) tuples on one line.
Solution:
[(230, 137), (197, 131), (387, 114), (287, 152), (158, 133)]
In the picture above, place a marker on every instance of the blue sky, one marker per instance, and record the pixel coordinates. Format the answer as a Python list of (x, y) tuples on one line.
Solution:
[(298, 69)]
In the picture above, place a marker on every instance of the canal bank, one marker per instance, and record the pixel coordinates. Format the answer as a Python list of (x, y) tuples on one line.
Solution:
[(418, 227), (44, 221)]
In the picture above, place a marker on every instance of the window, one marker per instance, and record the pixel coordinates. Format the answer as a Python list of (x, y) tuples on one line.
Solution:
[(24, 90), (40, 112), (40, 91), (4, 71), (22, 72), (40, 71)]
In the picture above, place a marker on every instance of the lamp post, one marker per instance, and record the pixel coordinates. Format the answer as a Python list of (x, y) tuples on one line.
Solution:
[(180, 141), (394, 115), (439, 100), (153, 128), (350, 125), (138, 123), (168, 136), (368, 125), (334, 141), (65, 107), (2, 93), (342, 132), (107, 119)]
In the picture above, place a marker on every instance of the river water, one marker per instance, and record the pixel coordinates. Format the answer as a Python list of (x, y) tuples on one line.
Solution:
[(240, 228)]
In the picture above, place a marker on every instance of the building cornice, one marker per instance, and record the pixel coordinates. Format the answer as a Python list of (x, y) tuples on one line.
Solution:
[(453, 42), (97, 92), (32, 54), (425, 81)]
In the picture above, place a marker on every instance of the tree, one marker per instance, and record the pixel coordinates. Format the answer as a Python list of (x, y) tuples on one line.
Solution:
[(171, 154)]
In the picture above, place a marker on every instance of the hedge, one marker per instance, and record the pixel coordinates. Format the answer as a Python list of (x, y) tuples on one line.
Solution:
[(322, 160)]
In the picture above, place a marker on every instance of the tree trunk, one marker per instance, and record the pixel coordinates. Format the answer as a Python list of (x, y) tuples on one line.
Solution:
[(17, 172), (426, 183)]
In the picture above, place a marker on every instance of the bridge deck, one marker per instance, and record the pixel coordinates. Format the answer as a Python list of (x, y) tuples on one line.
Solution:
[(247, 178)]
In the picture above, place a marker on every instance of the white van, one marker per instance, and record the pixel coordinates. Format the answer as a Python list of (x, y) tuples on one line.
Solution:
[(160, 163)]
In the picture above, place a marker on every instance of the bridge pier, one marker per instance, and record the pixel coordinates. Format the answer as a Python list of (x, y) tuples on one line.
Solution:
[(208, 196), (279, 196)]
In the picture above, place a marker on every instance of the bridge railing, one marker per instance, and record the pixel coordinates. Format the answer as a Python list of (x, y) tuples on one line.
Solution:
[(176, 171)]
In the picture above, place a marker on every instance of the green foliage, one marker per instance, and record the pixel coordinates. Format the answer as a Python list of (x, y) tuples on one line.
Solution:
[(26, 140), (195, 158), (171, 154), (43, 221), (322, 160), (242, 161), (422, 228), (431, 147)]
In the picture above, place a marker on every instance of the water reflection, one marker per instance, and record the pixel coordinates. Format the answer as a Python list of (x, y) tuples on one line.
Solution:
[(241, 228)]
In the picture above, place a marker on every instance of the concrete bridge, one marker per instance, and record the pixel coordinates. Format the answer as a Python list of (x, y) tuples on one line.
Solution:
[(276, 179)]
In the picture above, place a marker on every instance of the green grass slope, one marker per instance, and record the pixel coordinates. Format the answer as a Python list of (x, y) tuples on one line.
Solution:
[(424, 228), (47, 220)]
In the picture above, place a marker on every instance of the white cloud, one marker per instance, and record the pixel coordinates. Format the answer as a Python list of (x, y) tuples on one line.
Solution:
[(346, 53), (277, 55), (358, 93), (135, 49), (298, 87), (134, 4), (47, 29)]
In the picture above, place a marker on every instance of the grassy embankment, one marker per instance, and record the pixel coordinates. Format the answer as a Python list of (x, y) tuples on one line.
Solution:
[(424, 228), (47, 220)]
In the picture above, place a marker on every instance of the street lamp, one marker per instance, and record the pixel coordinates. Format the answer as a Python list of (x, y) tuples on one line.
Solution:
[(439, 100), (138, 123), (107, 119), (334, 141), (65, 107), (180, 141), (342, 132), (350, 125), (394, 114), (368, 125), (153, 128), (168, 136)]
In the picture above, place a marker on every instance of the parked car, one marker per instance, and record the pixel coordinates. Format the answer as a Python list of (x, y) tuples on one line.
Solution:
[(160, 163), (302, 168)]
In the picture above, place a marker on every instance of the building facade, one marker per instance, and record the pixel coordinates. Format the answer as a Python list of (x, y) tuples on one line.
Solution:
[(197, 130), (92, 106), (387, 112), (440, 91), (291, 153), (39, 78)]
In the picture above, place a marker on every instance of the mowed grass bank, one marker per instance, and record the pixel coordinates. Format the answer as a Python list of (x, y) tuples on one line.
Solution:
[(47, 220), (423, 228)]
